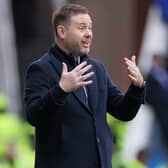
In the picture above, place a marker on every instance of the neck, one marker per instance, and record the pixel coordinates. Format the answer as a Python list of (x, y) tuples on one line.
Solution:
[(61, 46)]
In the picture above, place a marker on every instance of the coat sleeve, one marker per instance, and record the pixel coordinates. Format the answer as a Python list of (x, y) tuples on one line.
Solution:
[(40, 97), (124, 106)]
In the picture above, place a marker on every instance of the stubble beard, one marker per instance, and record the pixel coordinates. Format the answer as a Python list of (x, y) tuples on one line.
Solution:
[(77, 50)]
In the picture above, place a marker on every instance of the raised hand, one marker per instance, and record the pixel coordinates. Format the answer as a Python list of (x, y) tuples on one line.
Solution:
[(76, 78), (133, 71)]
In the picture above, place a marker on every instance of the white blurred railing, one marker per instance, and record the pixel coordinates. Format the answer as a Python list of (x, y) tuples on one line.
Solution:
[(9, 78)]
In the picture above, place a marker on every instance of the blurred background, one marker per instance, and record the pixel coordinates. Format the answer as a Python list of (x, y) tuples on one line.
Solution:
[(121, 29)]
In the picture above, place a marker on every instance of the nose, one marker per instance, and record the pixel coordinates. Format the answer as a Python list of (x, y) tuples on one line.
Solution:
[(88, 33)]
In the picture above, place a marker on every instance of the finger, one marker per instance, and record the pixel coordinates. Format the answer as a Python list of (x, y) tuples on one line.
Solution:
[(77, 68), (85, 83), (134, 74), (132, 77), (133, 58), (128, 61), (64, 67), (88, 75), (85, 69), (132, 70), (131, 63)]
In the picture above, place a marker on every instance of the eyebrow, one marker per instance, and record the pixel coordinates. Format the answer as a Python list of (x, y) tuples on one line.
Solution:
[(84, 24)]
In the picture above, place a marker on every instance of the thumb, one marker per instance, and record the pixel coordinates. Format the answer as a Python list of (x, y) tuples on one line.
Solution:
[(133, 58), (64, 67)]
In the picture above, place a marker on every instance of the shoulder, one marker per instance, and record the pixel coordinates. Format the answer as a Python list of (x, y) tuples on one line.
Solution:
[(97, 63), (41, 63)]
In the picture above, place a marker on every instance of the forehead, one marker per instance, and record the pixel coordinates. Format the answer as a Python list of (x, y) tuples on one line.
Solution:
[(80, 18)]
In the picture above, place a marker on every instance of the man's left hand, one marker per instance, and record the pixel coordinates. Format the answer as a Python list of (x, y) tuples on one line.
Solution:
[(133, 71)]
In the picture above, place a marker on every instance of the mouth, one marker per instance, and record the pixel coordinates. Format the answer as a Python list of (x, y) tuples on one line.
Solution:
[(86, 44)]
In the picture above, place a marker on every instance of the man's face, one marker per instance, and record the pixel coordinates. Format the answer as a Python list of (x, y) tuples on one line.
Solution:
[(78, 35)]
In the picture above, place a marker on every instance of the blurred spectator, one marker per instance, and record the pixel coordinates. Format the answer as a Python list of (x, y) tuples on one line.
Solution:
[(15, 145), (117, 160), (140, 161), (118, 128), (153, 62), (155, 37), (157, 97)]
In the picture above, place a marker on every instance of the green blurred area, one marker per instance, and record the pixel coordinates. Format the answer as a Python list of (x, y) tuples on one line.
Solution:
[(119, 129), (16, 139)]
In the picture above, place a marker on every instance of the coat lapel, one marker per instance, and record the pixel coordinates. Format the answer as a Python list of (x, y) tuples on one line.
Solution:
[(93, 90), (79, 93)]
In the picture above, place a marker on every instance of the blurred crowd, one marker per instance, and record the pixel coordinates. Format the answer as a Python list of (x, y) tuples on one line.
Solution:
[(16, 139), (153, 62)]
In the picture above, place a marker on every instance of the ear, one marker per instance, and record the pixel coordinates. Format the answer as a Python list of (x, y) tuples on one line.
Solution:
[(61, 30)]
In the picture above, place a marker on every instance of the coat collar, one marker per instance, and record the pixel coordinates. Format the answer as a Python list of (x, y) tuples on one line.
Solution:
[(64, 57), (57, 56)]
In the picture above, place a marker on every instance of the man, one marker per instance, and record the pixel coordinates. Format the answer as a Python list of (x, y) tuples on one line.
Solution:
[(157, 98), (67, 101)]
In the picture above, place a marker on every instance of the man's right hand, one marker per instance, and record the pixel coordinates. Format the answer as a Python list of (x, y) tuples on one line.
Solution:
[(70, 81)]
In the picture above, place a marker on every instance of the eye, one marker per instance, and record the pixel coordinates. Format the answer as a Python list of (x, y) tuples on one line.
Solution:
[(81, 27)]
